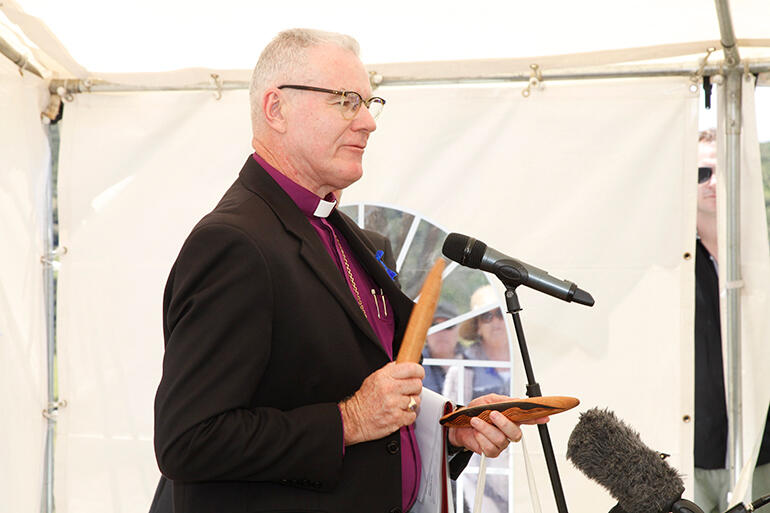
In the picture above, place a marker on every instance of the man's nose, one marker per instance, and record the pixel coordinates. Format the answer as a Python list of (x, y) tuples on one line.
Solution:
[(364, 120)]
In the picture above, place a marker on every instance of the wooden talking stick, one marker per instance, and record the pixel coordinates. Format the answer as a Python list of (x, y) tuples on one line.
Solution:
[(422, 316), (518, 410)]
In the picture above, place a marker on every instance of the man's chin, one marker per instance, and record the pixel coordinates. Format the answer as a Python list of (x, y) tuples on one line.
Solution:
[(351, 172)]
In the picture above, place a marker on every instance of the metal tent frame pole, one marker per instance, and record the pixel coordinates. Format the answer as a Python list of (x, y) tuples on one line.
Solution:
[(49, 413), (47, 503), (68, 87), (732, 270), (21, 60)]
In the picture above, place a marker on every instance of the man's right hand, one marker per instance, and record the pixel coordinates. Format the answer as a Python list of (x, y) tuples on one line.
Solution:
[(381, 405)]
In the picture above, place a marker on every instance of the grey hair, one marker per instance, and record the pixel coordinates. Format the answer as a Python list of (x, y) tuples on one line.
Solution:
[(284, 55)]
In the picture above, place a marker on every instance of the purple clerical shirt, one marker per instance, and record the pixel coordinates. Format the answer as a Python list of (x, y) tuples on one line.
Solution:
[(378, 311)]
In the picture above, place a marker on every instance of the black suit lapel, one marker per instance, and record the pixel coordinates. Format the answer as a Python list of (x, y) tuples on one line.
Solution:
[(316, 256), (312, 250)]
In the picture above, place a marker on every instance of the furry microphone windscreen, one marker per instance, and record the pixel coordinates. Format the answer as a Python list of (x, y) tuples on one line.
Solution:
[(611, 453)]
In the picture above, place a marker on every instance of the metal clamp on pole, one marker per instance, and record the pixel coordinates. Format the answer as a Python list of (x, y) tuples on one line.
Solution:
[(52, 411), (696, 76), (65, 94), (218, 85), (22, 63), (535, 80), (53, 256), (52, 110), (375, 79)]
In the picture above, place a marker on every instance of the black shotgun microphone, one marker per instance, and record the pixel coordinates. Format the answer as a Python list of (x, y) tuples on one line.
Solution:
[(475, 254), (612, 454)]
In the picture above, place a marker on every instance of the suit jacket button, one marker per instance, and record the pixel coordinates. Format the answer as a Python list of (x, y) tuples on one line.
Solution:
[(392, 447)]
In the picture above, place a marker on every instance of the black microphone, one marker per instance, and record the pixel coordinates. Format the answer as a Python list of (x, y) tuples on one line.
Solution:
[(475, 254), (612, 454)]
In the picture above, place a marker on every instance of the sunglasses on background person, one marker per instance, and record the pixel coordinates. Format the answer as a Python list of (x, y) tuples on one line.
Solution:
[(704, 174), (492, 314)]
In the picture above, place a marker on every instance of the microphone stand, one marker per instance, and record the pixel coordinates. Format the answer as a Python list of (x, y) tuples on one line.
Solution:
[(533, 390)]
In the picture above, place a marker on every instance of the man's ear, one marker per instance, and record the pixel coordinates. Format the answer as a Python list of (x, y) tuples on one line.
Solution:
[(273, 105)]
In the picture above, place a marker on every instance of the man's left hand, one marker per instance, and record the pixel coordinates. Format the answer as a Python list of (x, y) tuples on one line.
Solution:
[(485, 438)]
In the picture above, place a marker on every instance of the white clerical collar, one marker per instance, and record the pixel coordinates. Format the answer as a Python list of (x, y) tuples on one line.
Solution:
[(324, 208)]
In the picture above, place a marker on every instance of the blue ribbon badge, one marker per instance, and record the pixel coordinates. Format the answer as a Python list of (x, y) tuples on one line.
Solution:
[(390, 272)]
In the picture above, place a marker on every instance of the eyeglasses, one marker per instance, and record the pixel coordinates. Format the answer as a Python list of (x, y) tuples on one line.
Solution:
[(349, 101), (439, 320), (704, 174), (489, 316)]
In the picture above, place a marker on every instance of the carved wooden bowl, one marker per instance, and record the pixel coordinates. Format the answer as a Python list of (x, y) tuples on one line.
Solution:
[(519, 410)]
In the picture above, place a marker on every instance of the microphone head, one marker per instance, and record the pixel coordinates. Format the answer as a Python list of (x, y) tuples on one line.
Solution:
[(582, 297), (611, 453), (464, 250)]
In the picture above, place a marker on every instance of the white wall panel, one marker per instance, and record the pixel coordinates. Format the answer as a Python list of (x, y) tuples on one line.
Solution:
[(136, 173), (593, 181), (24, 166)]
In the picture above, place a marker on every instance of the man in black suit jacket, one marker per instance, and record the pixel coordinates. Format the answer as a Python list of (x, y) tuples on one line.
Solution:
[(279, 392), (711, 475)]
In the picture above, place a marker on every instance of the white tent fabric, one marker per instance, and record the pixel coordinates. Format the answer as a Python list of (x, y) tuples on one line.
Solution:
[(151, 36), (130, 191), (593, 181), (24, 164)]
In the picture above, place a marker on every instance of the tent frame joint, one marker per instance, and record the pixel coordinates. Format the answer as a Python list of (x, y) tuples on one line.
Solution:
[(697, 75), (375, 79), (535, 80), (52, 410), (216, 79), (51, 111), (51, 257)]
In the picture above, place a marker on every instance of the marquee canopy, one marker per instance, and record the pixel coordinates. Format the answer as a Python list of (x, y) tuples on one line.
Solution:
[(599, 167), (88, 38)]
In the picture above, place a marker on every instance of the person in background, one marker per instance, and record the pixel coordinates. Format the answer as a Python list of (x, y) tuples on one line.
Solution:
[(488, 333), (712, 478), (490, 342), (443, 344)]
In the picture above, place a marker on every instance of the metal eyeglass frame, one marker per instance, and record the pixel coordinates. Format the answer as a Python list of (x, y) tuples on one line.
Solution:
[(344, 95)]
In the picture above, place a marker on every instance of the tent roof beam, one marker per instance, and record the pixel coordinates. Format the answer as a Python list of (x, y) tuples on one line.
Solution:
[(21, 60), (76, 86), (728, 42)]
